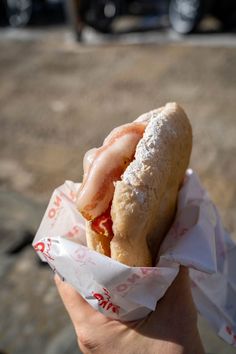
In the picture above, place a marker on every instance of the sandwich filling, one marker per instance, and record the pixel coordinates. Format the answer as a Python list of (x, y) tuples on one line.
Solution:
[(102, 168)]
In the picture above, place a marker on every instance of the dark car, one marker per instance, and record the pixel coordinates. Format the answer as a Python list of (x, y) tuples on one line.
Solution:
[(184, 15), (19, 13)]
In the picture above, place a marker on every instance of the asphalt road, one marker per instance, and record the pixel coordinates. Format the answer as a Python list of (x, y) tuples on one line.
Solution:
[(59, 98)]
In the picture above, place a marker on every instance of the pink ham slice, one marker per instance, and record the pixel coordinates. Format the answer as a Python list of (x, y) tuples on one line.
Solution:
[(104, 166)]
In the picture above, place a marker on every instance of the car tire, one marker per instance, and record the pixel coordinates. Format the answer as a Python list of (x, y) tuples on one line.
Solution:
[(19, 13), (101, 14), (185, 15), (226, 13)]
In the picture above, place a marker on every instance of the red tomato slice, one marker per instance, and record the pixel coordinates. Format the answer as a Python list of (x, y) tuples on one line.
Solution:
[(103, 224)]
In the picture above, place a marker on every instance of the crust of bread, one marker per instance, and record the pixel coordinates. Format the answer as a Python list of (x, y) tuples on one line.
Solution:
[(144, 202)]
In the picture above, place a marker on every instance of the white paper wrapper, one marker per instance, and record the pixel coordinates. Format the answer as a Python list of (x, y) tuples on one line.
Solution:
[(196, 239)]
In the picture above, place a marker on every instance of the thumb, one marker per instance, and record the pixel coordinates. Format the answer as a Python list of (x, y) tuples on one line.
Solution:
[(77, 307)]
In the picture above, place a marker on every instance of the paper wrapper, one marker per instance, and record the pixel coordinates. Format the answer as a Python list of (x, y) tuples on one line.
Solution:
[(196, 239)]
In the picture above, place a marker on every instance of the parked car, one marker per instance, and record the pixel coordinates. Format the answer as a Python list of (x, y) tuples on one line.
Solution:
[(184, 15), (19, 13)]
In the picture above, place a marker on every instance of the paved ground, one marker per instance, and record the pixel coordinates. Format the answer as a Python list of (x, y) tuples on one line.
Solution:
[(58, 99)]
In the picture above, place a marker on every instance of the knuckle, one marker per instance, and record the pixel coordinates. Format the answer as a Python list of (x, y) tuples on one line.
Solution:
[(87, 342)]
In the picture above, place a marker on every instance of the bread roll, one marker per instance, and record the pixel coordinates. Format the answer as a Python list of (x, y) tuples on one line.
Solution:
[(144, 201)]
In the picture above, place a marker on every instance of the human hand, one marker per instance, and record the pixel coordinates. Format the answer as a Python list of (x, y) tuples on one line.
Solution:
[(170, 329)]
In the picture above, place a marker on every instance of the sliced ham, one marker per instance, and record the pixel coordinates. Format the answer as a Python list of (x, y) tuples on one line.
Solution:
[(104, 166)]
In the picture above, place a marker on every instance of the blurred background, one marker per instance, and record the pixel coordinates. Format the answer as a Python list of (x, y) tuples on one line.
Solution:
[(72, 70)]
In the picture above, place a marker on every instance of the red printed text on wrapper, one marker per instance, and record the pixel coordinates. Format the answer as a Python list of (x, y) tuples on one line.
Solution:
[(74, 231), (232, 335), (56, 206), (45, 248), (104, 301), (82, 256), (133, 279)]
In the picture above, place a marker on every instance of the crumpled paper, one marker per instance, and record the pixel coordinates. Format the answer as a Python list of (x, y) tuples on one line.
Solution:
[(196, 239)]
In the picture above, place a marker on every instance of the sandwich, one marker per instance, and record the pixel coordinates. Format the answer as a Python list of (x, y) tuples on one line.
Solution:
[(130, 186)]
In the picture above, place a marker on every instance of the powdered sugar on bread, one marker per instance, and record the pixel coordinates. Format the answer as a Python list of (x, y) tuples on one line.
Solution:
[(144, 202)]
